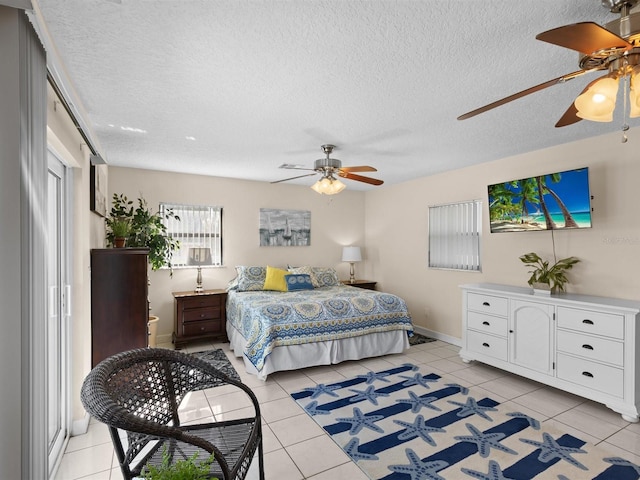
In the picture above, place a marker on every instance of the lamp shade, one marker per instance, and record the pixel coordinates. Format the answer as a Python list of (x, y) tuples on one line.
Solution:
[(599, 101), (328, 186), (199, 256), (634, 92), (351, 254)]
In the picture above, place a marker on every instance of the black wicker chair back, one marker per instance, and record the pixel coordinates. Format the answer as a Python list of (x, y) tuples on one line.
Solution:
[(138, 393)]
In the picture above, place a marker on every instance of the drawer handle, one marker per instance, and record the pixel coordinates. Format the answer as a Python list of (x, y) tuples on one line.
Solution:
[(485, 344), (202, 329), (587, 374), (486, 304), (586, 321), (486, 323), (587, 346)]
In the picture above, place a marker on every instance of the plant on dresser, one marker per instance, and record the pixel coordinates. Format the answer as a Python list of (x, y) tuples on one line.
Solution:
[(552, 277), (583, 344)]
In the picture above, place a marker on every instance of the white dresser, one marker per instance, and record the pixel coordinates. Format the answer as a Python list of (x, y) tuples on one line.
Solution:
[(583, 344)]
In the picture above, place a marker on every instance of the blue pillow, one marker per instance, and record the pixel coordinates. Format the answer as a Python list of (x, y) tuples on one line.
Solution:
[(298, 281)]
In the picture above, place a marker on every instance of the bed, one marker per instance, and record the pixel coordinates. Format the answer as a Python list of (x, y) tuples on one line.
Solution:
[(327, 324)]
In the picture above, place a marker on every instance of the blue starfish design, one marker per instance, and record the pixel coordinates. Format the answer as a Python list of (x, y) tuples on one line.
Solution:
[(418, 428), (533, 423), (550, 449), (419, 470), (463, 390), (359, 421), (484, 441), (322, 388), (368, 394), (494, 473), (312, 409), (623, 463), (414, 368), (418, 379), (417, 402), (472, 407), (373, 376), (351, 448)]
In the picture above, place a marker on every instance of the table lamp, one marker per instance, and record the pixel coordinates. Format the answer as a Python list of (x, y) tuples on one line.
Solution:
[(351, 255), (199, 256)]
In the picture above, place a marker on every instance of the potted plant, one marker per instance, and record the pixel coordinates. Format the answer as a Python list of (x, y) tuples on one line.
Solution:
[(547, 278), (119, 229), (146, 229), (187, 469)]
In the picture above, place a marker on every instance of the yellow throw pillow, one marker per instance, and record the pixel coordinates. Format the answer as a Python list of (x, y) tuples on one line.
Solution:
[(275, 279)]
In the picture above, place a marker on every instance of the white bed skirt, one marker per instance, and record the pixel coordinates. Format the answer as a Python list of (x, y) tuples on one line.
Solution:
[(293, 357)]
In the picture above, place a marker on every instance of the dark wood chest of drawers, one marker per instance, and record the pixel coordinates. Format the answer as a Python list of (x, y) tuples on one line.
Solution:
[(199, 316)]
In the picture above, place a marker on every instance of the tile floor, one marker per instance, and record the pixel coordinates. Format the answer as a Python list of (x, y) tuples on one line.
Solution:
[(292, 440)]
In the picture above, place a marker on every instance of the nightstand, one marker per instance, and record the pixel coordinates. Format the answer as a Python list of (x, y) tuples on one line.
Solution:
[(198, 316), (368, 284)]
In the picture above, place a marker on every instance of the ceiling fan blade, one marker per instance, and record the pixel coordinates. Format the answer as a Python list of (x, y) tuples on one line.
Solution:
[(293, 178), (569, 118), (360, 178), (363, 168), (585, 37), (291, 166), (523, 93), (571, 115)]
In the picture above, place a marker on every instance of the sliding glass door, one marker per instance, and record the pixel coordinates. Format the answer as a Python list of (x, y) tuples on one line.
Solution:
[(58, 311)]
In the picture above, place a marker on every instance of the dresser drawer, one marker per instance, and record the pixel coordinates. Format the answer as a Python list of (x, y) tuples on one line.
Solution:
[(488, 304), (194, 314), (596, 376), (495, 347), (487, 323), (588, 321), (591, 348), (201, 301), (200, 328)]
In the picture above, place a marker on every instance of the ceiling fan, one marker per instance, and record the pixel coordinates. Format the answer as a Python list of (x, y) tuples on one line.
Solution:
[(614, 47), (329, 169)]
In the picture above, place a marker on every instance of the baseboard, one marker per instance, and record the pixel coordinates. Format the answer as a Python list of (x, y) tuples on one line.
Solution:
[(81, 426), (438, 336), (164, 338)]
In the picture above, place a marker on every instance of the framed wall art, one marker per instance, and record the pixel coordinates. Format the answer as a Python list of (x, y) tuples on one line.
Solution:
[(98, 189), (284, 228)]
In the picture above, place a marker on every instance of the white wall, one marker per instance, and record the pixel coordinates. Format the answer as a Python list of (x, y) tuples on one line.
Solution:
[(396, 230), (335, 221)]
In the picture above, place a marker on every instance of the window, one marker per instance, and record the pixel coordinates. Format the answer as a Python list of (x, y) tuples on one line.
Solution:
[(200, 226), (454, 235)]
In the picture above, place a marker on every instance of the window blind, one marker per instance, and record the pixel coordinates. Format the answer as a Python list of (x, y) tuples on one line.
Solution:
[(200, 226), (454, 235)]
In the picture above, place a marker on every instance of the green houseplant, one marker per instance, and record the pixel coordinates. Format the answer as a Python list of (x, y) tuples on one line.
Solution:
[(146, 229), (543, 276), (119, 229), (187, 469)]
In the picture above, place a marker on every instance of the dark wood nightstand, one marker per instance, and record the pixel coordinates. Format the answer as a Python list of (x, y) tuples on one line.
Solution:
[(368, 284), (198, 316)]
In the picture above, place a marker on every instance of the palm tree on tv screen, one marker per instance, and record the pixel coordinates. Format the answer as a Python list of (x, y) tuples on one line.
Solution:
[(543, 189)]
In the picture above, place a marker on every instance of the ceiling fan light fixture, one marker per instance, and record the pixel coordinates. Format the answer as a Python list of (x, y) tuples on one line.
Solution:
[(328, 186), (634, 93), (599, 101)]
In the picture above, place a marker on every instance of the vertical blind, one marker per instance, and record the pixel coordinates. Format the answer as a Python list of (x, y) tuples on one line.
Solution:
[(454, 235), (200, 226)]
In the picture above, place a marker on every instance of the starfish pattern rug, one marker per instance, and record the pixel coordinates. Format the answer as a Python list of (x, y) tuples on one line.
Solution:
[(405, 424)]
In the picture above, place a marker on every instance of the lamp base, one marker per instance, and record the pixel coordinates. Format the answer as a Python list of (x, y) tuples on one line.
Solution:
[(199, 288), (352, 273)]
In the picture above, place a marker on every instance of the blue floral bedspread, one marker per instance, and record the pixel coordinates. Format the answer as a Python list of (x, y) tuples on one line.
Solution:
[(270, 319)]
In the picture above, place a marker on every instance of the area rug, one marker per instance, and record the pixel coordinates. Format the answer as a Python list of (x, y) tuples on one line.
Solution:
[(405, 424), (219, 359), (417, 339)]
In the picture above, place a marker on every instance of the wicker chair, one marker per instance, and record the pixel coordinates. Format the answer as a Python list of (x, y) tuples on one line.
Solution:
[(139, 392)]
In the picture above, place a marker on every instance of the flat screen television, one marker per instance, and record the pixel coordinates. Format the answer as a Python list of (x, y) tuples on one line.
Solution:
[(547, 202)]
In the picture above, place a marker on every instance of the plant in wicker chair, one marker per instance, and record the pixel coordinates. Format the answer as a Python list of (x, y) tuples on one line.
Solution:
[(139, 392)]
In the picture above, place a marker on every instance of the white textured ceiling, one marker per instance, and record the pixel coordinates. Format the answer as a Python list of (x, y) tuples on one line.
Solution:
[(255, 84)]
